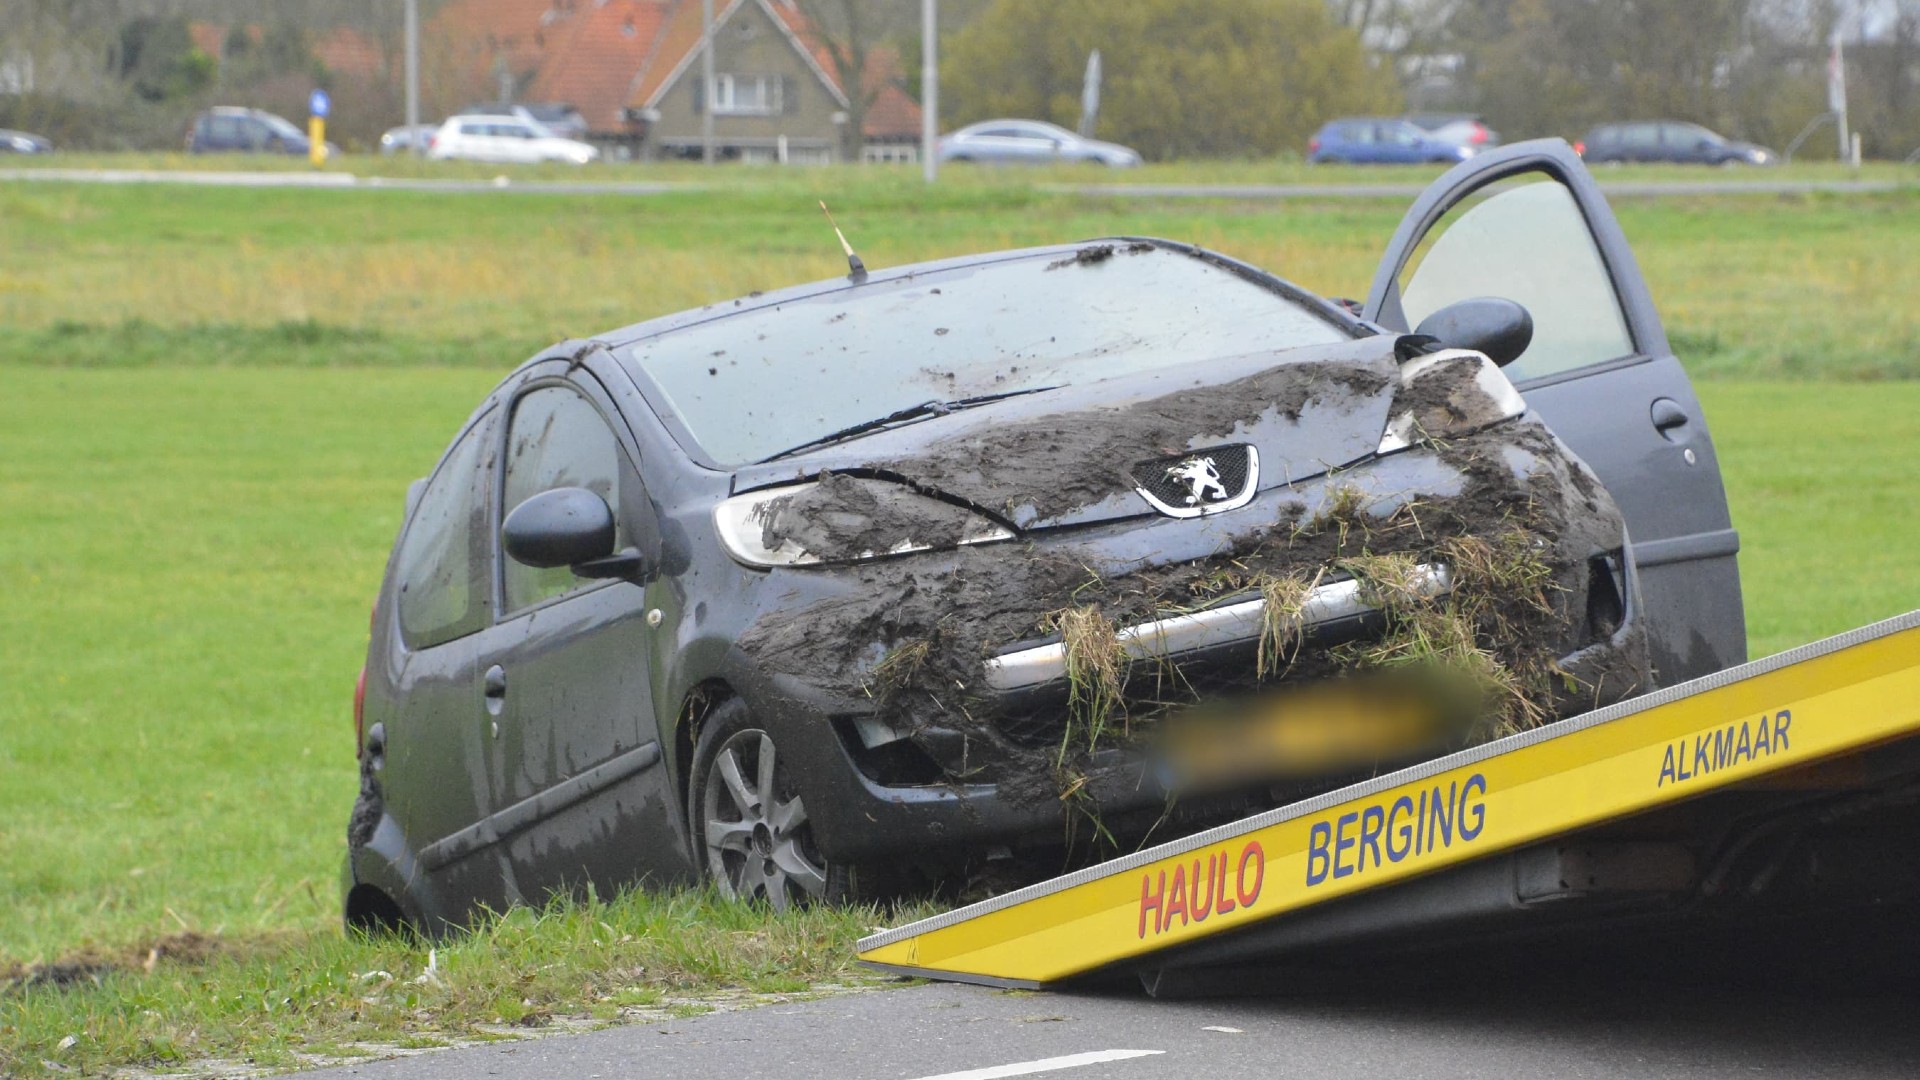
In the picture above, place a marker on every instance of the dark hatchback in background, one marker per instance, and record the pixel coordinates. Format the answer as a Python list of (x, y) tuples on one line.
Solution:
[(1668, 141), (233, 130), (639, 624)]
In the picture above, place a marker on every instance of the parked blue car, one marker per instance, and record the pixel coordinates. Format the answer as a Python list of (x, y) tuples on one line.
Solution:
[(1365, 140)]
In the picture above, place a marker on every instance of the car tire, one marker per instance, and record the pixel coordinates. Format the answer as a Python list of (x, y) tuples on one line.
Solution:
[(752, 838)]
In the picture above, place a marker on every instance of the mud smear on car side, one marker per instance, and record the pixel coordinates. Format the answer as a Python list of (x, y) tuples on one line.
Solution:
[(368, 807), (1508, 509)]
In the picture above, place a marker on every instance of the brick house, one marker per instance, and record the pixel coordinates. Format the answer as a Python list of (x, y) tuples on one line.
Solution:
[(632, 68)]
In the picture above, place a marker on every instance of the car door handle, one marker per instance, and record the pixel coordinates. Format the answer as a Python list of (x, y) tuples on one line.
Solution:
[(1669, 418), (495, 684)]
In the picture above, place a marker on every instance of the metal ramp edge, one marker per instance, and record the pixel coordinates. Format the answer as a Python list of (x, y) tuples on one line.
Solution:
[(1815, 702)]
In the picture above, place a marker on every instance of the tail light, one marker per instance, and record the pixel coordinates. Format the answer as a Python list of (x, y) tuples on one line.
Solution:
[(1580, 147), (1313, 145), (1479, 134)]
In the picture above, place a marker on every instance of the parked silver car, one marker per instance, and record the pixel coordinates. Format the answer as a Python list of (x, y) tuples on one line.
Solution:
[(1031, 142), (404, 139), (21, 142)]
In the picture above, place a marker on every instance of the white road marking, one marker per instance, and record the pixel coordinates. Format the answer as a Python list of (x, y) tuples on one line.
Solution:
[(1028, 1068)]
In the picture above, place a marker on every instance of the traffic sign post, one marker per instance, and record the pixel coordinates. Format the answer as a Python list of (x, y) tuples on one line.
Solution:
[(318, 105)]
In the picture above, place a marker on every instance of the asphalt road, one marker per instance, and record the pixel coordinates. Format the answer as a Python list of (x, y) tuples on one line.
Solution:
[(1471, 1031), (348, 182)]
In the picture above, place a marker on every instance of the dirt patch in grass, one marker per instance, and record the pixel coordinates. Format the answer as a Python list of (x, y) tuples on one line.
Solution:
[(87, 967)]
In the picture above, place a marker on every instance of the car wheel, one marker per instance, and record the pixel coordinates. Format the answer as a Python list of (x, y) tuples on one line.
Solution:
[(751, 832)]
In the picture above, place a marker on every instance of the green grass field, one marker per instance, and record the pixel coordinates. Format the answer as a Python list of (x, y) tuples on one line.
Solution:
[(211, 402), (155, 274)]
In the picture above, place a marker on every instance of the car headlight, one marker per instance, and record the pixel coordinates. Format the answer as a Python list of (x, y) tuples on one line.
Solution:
[(1447, 394), (844, 519)]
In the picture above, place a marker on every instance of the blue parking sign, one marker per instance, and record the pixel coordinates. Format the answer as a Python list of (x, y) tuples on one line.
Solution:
[(318, 103)]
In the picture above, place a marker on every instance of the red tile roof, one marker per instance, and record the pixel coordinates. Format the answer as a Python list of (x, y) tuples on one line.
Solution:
[(594, 65), (518, 31), (346, 51), (891, 114), (679, 35)]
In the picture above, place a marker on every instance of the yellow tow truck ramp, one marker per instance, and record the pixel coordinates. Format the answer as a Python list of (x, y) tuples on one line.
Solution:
[(1687, 803)]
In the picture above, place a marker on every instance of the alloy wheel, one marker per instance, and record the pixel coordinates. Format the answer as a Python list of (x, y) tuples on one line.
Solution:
[(757, 840)]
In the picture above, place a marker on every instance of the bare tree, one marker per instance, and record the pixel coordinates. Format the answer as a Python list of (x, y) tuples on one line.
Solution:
[(850, 32)]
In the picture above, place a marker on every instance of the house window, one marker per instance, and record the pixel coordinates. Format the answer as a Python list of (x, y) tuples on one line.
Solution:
[(747, 95)]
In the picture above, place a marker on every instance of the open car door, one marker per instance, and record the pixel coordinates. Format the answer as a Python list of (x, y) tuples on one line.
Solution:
[(1526, 222)]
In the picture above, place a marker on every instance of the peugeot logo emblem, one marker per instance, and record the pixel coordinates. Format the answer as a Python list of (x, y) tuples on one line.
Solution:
[(1202, 478)]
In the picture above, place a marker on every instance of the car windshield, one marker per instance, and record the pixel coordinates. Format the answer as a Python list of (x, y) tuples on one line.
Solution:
[(749, 386)]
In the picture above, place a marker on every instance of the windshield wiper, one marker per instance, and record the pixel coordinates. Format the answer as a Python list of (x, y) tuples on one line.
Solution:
[(898, 416)]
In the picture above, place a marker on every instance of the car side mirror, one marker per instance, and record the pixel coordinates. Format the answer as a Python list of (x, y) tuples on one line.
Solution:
[(570, 527), (1500, 328)]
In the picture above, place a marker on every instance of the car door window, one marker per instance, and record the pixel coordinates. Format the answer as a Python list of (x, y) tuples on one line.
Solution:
[(1641, 139), (557, 439), (1529, 244), (442, 563)]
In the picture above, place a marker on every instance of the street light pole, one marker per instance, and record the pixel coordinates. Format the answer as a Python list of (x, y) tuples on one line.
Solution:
[(929, 89), (706, 76), (413, 76)]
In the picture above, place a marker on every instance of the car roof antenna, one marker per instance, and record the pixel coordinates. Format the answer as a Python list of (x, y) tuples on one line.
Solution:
[(856, 269)]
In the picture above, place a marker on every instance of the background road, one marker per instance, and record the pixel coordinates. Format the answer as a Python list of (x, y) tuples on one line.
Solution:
[(342, 180), (1470, 1031)]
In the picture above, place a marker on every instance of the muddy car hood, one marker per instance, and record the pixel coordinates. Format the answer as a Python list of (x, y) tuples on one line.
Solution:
[(1070, 456)]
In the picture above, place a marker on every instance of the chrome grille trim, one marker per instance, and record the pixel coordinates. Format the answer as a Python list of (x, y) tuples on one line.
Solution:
[(1043, 664)]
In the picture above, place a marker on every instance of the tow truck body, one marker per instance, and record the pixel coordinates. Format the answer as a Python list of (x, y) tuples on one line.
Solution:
[(1785, 788)]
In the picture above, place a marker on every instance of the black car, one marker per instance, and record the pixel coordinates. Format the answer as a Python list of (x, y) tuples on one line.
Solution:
[(814, 590), (1669, 141), (231, 130)]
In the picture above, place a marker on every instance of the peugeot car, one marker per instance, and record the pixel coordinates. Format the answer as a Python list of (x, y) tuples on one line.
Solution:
[(897, 575)]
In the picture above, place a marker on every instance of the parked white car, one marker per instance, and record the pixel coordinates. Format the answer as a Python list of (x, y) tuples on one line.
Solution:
[(505, 139)]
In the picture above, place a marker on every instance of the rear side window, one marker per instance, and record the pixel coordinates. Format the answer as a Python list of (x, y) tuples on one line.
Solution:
[(558, 439), (442, 565), (1642, 136)]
